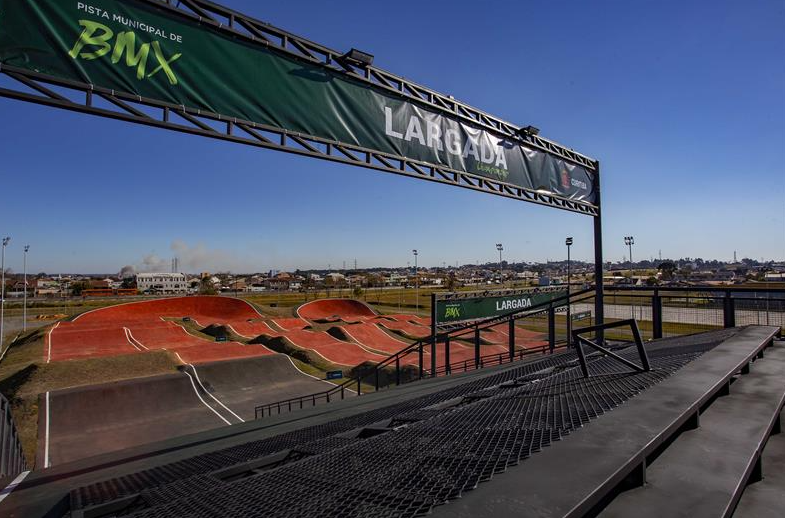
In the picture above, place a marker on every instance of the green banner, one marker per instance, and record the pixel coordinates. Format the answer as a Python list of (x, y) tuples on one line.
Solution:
[(486, 306), (140, 48)]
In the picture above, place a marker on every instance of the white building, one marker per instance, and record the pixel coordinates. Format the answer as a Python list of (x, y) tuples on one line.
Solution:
[(162, 282)]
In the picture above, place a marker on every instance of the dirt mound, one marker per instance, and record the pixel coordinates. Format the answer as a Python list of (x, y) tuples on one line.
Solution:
[(141, 326), (327, 309), (216, 331), (206, 310)]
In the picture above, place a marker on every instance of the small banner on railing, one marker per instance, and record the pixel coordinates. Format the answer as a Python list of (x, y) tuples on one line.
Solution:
[(462, 307)]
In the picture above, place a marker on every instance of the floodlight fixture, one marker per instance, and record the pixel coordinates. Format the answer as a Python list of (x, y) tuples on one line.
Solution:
[(529, 131), (358, 58), (568, 241)]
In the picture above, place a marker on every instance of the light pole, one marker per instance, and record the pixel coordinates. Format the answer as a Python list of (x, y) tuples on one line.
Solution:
[(629, 241), (499, 247), (2, 290), (568, 242), (416, 283), (24, 310)]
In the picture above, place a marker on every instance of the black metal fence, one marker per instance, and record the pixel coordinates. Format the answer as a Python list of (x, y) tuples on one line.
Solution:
[(12, 458), (659, 313)]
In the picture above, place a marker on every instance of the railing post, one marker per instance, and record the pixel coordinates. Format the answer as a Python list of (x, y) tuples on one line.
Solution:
[(729, 319), (433, 356), (359, 388), (397, 370), (656, 315), (434, 338), (419, 358), (447, 370), (476, 346), (551, 328), (376, 380), (511, 333)]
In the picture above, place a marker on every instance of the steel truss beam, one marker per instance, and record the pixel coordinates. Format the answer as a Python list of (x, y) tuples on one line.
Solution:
[(261, 32), (460, 295), (150, 112)]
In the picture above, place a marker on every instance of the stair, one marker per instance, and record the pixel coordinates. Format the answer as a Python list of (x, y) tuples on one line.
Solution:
[(685, 447), (766, 498), (705, 470)]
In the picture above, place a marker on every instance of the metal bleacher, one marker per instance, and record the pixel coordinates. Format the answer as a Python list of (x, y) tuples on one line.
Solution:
[(530, 438)]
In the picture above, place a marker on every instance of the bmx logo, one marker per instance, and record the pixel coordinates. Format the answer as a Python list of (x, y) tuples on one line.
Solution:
[(95, 42), (452, 312)]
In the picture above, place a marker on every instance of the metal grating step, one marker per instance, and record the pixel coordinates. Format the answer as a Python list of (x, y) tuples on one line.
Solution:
[(407, 471), (440, 450)]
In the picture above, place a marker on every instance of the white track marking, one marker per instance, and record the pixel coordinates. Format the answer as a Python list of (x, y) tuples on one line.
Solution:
[(196, 391), (49, 339), (315, 352), (10, 487), (46, 434), (203, 387), (134, 341), (311, 375), (212, 396), (235, 331), (128, 339)]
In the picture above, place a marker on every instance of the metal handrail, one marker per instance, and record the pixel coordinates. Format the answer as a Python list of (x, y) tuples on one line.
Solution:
[(416, 347)]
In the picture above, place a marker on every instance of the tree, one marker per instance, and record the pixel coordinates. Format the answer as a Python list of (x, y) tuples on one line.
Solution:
[(451, 283), (206, 287), (78, 287), (358, 291), (667, 268)]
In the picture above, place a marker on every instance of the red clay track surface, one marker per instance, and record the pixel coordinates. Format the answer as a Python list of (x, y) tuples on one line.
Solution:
[(288, 324), (372, 336), (332, 349), (138, 326), (412, 330), (335, 308)]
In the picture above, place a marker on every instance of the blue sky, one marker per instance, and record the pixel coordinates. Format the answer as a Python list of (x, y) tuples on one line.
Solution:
[(682, 102)]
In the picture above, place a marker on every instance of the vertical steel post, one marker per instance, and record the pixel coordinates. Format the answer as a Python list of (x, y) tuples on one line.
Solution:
[(551, 327), (433, 335), (24, 311), (447, 369), (569, 308), (419, 358), (476, 346), (729, 310), (511, 332), (656, 314), (599, 309)]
